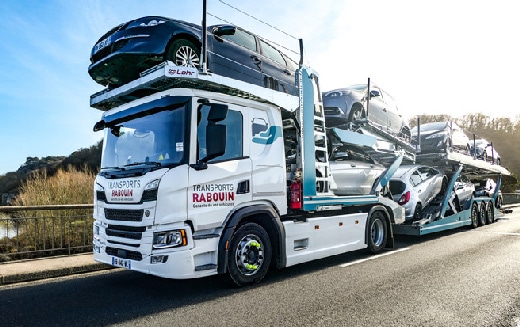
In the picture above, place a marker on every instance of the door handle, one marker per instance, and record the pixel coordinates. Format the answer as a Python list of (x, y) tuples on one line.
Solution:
[(287, 72)]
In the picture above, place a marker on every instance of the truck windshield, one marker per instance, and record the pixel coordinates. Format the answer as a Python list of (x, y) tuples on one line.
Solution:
[(156, 139)]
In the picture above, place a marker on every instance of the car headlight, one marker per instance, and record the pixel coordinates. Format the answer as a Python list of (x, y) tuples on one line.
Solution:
[(170, 239)]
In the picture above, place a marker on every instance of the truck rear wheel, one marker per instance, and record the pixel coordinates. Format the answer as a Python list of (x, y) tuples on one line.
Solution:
[(482, 218), (490, 210), (377, 232), (474, 215), (249, 254)]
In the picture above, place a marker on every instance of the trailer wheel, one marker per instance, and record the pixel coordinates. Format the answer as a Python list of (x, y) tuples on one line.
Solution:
[(377, 232), (249, 254), (474, 215), (490, 213), (482, 217), (184, 53)]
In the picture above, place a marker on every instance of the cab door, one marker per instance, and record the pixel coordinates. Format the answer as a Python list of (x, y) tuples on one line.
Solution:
[(217, 183)]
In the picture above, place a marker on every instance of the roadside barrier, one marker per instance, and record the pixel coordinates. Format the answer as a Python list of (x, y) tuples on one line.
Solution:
[(41, 231)]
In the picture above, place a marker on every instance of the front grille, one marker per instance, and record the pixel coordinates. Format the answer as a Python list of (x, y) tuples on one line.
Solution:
[(124, 215), (130, 232), (124, 254), (332, 111)]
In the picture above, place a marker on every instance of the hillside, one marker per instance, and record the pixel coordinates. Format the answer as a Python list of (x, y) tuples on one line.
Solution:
[(85, 157)]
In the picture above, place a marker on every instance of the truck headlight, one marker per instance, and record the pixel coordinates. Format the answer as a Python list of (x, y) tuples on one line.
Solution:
[(169, 239), (153, 185)]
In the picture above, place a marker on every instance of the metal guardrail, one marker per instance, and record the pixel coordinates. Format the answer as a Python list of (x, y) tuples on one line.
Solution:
[(511, 198), (38, 231)]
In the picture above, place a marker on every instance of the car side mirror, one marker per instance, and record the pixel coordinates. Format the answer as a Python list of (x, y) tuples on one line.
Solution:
[(374, 93), (224, 30)]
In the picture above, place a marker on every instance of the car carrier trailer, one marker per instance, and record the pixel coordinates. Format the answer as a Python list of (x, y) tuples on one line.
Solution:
[(441, 214)]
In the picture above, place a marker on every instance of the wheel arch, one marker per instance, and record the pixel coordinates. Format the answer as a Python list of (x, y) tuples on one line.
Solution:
[(265, 216), (181, 36), (356, 105)]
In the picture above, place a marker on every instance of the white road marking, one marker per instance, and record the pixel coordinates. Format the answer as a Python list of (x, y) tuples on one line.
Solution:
[(499, 233), (372, 257)]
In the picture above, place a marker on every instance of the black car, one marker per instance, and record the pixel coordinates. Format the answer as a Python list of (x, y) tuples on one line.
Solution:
[(441, 137), (120, 55), (349, 104)]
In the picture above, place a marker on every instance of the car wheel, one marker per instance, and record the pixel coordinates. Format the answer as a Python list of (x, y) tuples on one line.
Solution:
[(417, 214), (498, 161), (356, 113), (184, 53), (484, 156)]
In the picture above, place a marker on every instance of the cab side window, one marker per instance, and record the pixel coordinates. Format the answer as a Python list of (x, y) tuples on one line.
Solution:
[(234, 135)]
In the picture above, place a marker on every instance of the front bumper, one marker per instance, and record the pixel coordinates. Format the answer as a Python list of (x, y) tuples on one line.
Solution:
[(197, 259)]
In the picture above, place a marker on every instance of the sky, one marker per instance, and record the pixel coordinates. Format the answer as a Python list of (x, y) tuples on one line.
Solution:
[(434, 57)]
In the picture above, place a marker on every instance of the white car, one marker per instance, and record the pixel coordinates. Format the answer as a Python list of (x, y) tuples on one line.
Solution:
[(415, 186)]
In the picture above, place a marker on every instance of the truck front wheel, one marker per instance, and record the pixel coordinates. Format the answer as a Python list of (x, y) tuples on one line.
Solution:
[(377, 232), (249, 254)]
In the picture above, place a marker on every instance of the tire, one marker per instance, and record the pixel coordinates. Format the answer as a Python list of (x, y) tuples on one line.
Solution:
[(250, 254), (498, 161), (444, 185), (377, 232), (482, 217), (356, 113), (490, 213), (184, 53), (417, 214), (474, 215), (498, 202)]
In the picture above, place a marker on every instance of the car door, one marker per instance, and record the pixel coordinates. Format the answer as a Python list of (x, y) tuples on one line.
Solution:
[(279, 73), (394, 119), (377, 107), (236, 56)]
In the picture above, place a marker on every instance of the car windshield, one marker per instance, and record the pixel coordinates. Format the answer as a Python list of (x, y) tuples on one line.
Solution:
[(156, 139), (431, 127)]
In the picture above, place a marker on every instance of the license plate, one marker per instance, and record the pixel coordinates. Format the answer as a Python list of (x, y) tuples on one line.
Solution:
[(104, 43), (118, 262)]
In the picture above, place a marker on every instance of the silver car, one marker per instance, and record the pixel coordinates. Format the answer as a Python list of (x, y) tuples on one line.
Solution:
[(464, 191), (415, 186), (349, 104), (353, 171)]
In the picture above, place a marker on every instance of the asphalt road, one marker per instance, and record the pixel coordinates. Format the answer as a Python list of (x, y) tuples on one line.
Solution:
[(458, 278)]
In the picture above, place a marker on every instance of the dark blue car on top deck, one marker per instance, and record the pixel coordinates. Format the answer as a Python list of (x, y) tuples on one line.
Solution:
[(121, 54)]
